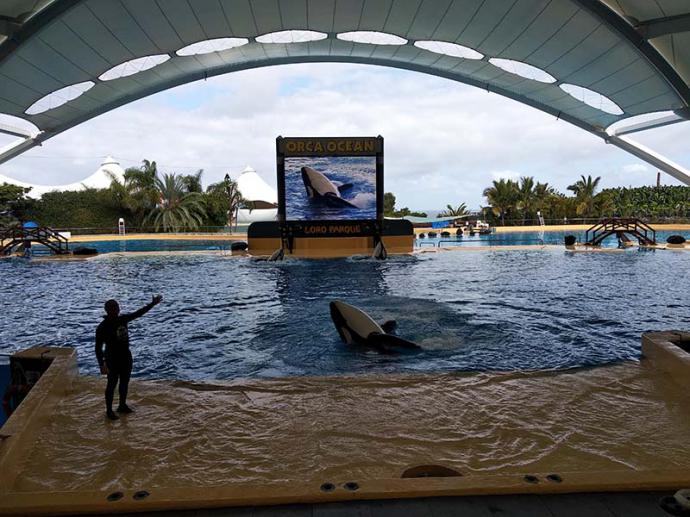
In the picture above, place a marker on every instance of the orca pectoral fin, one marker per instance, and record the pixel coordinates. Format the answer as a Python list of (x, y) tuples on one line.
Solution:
[(343, 188), (389, 342), (331, 199), (389, 326)]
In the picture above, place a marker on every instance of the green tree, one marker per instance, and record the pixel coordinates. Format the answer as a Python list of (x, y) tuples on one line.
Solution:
[(222, 201), (526, 197), (459, 211), (136, 195), (177, 208), (502, 197), (585, 191), (388, 204), (78, 209), (192, 182), (14, 205)]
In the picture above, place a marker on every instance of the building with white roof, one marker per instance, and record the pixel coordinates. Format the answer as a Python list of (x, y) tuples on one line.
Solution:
[(99, 179), (262, 196)]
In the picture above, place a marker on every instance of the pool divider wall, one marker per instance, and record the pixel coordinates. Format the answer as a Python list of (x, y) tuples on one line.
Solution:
[(329, 240), (669, 351), (311, 492), (17, 434)]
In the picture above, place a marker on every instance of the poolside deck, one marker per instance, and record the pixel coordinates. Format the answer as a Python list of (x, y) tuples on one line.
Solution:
[(279, 441)]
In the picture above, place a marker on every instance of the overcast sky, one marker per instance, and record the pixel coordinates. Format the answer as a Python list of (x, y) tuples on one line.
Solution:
[(444, 141)]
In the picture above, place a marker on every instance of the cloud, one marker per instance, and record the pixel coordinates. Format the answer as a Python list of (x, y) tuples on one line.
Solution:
[(444, 142), (505, 175)]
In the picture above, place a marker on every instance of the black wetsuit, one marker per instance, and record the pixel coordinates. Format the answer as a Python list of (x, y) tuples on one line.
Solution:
[(114, 333)]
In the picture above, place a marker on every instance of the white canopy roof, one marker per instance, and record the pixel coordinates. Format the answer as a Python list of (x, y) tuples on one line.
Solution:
[(254, 188), (590, 62), (99, 179)]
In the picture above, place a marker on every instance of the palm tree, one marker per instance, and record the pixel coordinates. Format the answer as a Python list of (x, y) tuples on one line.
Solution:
[(234, 197), (192, 182), (526, 196), (585, 191), (222, 201), (502, 197), (544, 197), (176, 208), (460, 211), (137, 193)]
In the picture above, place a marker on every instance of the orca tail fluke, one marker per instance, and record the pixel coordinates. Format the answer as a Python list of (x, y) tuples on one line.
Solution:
[(380, 252), (277, 255)]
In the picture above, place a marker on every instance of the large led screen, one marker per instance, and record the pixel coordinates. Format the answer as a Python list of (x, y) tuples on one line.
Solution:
[(330, 179)]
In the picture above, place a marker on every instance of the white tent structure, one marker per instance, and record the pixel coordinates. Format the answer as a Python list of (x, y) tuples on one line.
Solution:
[(99, 179), (255, 190)]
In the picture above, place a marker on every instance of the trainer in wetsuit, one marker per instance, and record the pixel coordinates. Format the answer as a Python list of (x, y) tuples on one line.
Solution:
[(117, 363)]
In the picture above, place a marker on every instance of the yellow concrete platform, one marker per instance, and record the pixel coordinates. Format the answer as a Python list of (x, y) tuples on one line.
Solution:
[(249, 442)]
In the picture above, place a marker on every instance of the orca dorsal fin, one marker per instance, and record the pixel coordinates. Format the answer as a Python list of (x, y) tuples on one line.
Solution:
[(344, 187)]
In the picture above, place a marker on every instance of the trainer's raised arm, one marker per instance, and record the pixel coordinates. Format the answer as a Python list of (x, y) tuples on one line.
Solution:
[(155, 300)]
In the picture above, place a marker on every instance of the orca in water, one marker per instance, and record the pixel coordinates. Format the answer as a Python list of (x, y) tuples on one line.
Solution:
[(356, 327), (320, 188)]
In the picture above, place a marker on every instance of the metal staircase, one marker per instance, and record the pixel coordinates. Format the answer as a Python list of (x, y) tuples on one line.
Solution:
[(12, 237), (645, 234)]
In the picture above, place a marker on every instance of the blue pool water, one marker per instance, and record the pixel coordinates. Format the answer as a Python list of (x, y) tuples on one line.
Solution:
[(520, 238), (357, 171), (157, 245), (226, 317)]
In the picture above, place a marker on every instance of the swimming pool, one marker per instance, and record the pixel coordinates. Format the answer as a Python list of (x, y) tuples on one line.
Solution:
[(229, 317), (137, 245), (523, 238)]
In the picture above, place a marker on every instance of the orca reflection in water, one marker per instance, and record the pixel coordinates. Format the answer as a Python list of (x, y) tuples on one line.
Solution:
[(356, 327), (320, 188)]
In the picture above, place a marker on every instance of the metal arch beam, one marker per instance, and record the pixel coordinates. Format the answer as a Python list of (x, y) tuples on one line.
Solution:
[(663, 26), (16, 148), (622, 142), (652, 157), (595, 7), (628, 32), (204, 74)]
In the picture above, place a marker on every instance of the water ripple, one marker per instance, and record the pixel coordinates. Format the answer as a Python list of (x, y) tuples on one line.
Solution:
[(221, 319)]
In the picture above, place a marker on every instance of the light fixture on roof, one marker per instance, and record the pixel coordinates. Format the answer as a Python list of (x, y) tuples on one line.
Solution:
[(449, 49), (592, 98), (211, 45), (291, 36), (134, 66), (372, 38), (59, 97), (523, 70)]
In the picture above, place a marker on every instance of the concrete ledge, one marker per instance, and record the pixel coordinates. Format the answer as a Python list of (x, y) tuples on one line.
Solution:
[(661, 351), (21, 428), (669, 351)]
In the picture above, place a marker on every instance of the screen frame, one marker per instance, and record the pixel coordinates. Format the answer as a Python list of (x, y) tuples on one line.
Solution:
[(288, 147)]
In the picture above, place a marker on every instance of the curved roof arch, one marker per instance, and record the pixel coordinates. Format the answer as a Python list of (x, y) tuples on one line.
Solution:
[(634, 54)]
